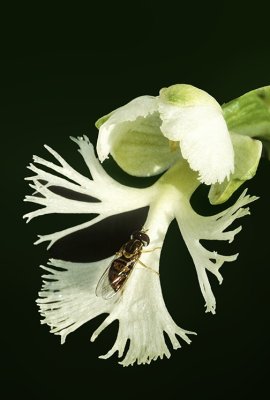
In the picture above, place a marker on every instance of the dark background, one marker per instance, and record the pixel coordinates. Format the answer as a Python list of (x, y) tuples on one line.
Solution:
[(63, 69)]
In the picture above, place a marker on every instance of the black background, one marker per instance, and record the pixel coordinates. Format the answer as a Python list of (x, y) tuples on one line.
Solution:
[(62, 69)]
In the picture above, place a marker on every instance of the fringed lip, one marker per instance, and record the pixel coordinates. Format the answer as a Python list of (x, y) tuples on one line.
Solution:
[(68, 295)]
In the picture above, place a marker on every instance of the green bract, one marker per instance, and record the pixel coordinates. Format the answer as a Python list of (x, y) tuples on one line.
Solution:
[(250, 114)]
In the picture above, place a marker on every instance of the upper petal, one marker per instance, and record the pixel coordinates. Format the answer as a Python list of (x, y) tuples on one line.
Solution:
[(193, 117), (139, 107), (204, 138)]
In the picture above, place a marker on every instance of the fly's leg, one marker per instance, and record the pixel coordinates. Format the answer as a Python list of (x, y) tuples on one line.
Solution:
[(150, 250), (146, 266)]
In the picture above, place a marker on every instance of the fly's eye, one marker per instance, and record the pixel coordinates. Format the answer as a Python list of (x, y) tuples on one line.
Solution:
[(144, 238), (146, 243)]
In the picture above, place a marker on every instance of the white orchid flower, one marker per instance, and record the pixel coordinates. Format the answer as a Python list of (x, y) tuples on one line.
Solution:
[(68, 297)]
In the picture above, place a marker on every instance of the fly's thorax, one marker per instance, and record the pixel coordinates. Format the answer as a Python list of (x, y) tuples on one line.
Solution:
[(133, 247)]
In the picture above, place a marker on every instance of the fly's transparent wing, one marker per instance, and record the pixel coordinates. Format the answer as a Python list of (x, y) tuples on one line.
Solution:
[(115, 277), (104, 288)]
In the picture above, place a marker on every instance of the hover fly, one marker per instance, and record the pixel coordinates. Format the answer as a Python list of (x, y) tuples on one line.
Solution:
[(118, 272)]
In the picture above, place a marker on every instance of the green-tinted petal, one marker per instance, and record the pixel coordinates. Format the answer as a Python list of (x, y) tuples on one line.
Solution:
[(103, 119), (140, 148), (112, 124), (183, 95), (247, 156), (250, 114)]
